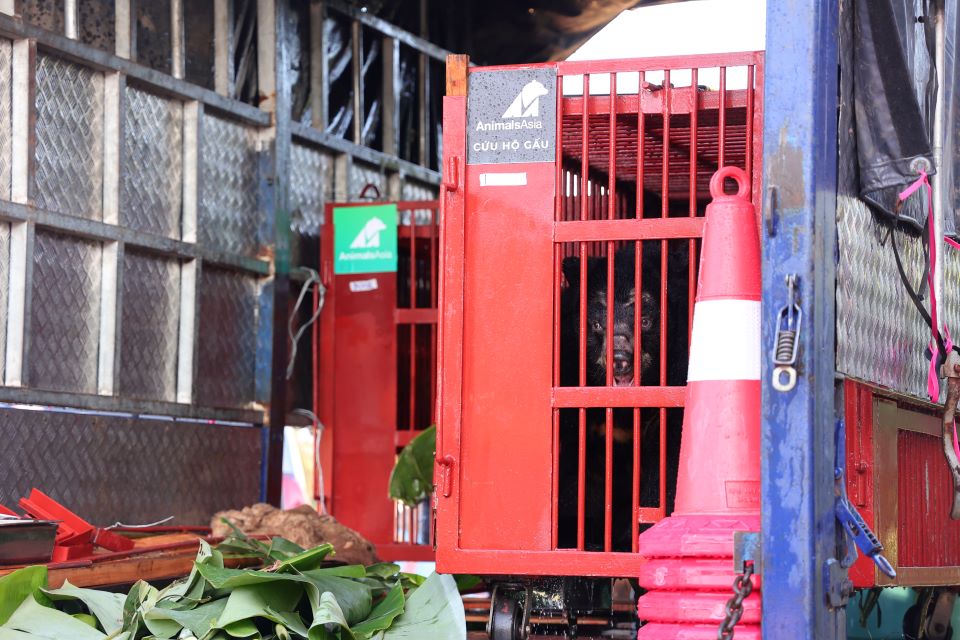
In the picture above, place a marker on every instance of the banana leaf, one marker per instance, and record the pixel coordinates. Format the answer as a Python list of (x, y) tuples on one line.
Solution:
[(43, 623), (412, 478), (17, 586), (433, 612), (106, 607)]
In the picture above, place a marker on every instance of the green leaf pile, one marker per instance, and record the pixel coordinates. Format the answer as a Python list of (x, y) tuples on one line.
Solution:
[(295, 596)]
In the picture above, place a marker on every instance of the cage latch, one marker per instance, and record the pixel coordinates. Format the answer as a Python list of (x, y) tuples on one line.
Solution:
[(446, 474), (787, 340), (451, 177), (858, 533)]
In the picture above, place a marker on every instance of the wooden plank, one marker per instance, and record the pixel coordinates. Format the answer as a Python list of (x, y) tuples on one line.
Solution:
[(457, 74)]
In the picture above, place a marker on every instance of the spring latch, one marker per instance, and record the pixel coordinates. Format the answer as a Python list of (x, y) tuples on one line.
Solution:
[(787, 340)]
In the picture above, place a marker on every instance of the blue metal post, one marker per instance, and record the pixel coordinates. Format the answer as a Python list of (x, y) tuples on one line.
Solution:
[(800, 171)]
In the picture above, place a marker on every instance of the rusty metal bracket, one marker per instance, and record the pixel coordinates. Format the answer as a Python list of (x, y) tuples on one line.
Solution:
[(746, 548), (951, 371)]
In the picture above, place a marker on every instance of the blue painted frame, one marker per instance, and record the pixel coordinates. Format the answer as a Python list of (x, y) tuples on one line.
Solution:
[(800, 177)]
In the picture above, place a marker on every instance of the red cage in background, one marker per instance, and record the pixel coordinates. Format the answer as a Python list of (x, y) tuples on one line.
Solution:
[(375, 383), (523, 435), (898, 481)]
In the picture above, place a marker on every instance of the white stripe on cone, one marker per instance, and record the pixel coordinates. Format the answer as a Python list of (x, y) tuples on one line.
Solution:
[(726, 341)]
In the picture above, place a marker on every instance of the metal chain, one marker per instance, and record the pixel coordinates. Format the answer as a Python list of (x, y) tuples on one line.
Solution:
[(742, 588)]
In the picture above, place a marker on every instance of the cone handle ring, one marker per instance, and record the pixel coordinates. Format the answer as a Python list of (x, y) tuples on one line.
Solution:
[(716, 183)]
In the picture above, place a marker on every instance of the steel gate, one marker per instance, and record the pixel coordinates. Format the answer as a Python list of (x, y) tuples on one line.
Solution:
[(376, 379), (535, 439)]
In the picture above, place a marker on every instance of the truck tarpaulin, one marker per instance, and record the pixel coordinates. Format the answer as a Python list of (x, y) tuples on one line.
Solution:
[(895, 92)]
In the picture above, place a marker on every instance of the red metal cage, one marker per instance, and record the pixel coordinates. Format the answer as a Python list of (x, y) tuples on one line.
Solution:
[(548, 463), (898, 481), (376, 379)]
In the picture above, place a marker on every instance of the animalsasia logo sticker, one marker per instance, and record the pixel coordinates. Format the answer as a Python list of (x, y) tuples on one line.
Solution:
[(527, 102), (365, 239), (512, 116)]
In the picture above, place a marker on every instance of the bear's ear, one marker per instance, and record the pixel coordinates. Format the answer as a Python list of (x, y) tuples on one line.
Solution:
[(571, 270)]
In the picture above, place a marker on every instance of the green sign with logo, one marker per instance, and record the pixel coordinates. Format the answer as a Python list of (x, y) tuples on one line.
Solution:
[(365, 239)]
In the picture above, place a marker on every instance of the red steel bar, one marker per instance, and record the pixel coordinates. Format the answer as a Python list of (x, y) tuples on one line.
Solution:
[(628, 229), (692, 245), (664, 249), (611, 204), (617, 397), (434, 249), (722, 157), (560, 206), (748, 151), (638, 327), (584, 204)]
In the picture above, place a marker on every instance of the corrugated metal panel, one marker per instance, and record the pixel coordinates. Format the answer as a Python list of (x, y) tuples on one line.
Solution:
[(228, 215), (65, 323), (228, 338), (135, 470), (927, 537), (152, 163), (69, 156), (150, 315)]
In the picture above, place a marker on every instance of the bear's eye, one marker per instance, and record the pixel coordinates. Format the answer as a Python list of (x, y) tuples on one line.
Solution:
[(597, 326), (646, 324)]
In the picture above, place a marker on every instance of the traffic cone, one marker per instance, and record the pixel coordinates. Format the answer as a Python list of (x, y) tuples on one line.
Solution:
[(689, 570)]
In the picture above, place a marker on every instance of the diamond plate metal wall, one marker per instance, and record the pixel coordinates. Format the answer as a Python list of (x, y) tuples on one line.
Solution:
[(6, 124), (109, 468), (228, 218), (65, 317), (69, 154), (362, 174), (4, 284), (311, 184), (880, 336), (151, 178), (227, 338), (149, 328), (412, 190)]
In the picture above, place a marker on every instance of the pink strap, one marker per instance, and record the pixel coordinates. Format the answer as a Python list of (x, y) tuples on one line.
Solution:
[(933, 380), (950, 241)]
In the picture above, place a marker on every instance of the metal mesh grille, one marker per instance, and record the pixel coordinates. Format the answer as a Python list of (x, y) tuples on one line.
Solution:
[(150, 321), (880, 336), (64, 329), (110, 468), (311, 181), (69, 155), (6, 95), (227, 348), (228, 199), (151, 182), (362, 174)]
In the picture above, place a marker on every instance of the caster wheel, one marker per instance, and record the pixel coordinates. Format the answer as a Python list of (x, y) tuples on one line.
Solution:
[(506, 616), (912, 622)]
